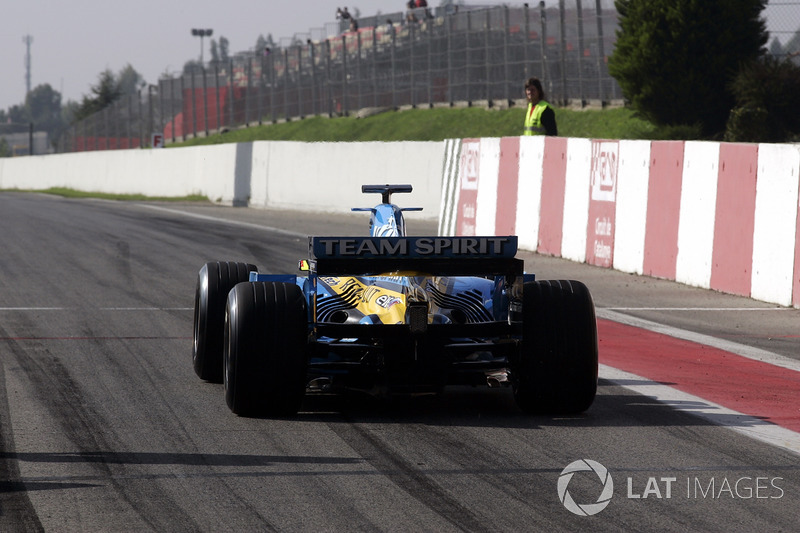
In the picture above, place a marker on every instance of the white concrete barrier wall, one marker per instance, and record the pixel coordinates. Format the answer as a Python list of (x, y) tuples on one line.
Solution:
[(692, 212), (325, 176), (552, 181)]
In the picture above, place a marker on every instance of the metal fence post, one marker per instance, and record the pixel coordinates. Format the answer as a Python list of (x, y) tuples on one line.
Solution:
[(161, 110), (394, 66), (562, 51), (231, 118), (506, 80), (205, 99), (217, 97), (345, 85), (358, 71), (247, 98), (486, 62), (429, 75), (184, 128), (526, 41), (141, 122), (299, 81), (543, 43), (260, 95), (581, 48), (106, 128), (286, 116), (468, 61), (194, 104), (449, 32), (128, 131), (150, 117), (312, 57), (374, 66), (600, 49), (273, 80), (328, 89), (412, 38)]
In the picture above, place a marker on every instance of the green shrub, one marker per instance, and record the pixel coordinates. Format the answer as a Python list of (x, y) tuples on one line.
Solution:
[(768, 108), (747, 124)]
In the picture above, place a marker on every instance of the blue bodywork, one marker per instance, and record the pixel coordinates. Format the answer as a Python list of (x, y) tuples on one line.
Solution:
[(409, 313)]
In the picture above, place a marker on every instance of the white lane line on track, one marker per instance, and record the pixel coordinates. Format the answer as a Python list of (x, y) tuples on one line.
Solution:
[(750, 352), (226, 221), (747, 425)]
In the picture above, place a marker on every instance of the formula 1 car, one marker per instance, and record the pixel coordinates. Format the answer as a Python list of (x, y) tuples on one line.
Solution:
[(395, 314)]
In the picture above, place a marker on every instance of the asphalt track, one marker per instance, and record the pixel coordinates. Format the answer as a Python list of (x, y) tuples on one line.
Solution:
[(105, 427)]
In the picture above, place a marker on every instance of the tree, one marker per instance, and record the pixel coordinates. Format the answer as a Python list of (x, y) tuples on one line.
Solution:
[(5, 150), (192, 66), (775, 48), (43, 106), (105, 93), (68, 111), (675, 59), (18, 114), (223, 49), (261, 44), (214, 52), (129, 81)]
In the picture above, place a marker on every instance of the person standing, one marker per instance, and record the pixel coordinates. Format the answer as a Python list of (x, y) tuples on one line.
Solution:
[(540, 117)]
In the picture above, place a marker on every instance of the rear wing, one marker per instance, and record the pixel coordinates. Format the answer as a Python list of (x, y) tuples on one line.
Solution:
[(442, 256), (385, 191)]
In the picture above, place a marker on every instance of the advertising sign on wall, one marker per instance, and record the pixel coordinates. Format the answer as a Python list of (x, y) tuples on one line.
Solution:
[(602, 203), (468, 174)]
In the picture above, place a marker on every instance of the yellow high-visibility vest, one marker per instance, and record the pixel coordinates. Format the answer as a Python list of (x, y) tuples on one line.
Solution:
[(533, 118)]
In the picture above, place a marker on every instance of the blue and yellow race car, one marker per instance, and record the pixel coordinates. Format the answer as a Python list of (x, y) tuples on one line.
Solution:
[(394, 314)]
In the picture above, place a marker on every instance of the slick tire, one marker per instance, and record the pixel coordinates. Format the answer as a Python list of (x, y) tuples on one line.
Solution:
[(214, 281), (556, 369), (266, 335)]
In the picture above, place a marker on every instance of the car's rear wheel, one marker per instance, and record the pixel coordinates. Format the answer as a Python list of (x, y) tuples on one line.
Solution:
[(214, 281), (266, 335), (556, 371)]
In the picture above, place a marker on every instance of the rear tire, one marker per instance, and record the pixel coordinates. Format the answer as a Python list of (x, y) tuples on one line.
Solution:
[(214, 281), (556, 371), (266, 335)]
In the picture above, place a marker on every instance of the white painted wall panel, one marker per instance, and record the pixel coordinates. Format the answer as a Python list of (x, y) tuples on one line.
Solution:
[(529, 191), (698, 210), (486, 214), (775, 223), (631, 215), (576, 199)]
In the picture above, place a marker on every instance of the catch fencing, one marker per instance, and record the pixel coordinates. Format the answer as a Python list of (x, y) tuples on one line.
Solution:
[(422, 57)]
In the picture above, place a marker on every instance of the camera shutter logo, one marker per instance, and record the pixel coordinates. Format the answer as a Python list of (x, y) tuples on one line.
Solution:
[(586, 509)]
